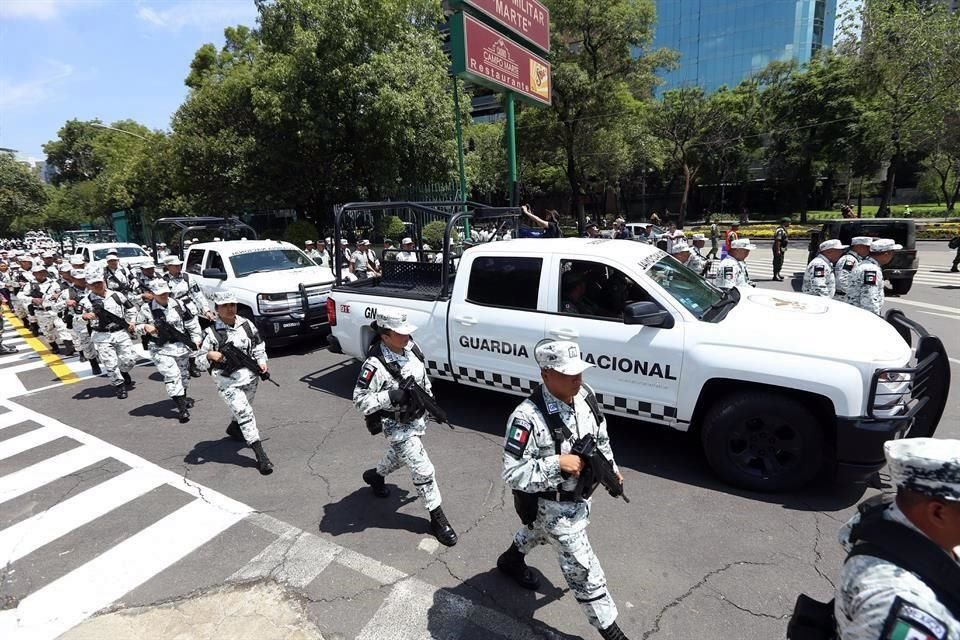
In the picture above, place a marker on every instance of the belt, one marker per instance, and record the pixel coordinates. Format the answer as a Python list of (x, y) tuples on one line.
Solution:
[(558, 496), (839, 294)]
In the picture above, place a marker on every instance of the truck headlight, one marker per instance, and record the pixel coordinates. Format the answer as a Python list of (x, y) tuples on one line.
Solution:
[(892, 387), (270, 303)]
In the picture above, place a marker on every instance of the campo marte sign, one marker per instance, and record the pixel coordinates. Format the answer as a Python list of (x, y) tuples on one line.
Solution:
[(493, 60), (526, 18)]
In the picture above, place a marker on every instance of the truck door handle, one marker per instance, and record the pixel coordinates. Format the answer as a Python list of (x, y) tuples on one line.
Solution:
[(565, 334), (468, 321)]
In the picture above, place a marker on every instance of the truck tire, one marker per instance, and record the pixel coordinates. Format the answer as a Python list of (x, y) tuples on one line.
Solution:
[(763, 441), (901, 287)]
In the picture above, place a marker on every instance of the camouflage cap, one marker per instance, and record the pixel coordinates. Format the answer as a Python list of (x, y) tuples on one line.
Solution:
[(863, 241), (925, 465), (562, 356)]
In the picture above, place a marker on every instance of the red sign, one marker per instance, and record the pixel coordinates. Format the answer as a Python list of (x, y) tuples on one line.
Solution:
[(529, 19), (491, 59)]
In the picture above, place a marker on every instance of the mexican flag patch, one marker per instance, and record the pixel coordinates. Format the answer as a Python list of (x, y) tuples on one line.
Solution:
[(518, 435), (366, 375), (870, 278), (907, 622)]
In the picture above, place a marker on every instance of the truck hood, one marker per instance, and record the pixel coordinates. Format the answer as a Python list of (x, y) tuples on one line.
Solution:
[(283, 281), (811, 326)]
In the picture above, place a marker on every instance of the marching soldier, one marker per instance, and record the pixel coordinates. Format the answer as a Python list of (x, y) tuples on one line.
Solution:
[(391, 359), (170, 353), (733, 269), (780, 242), (118, 279), (111, 338), (188, 292), (237, 385), (27, 312), (60, 313), (73, 318), (866, 282), (40, 294), (901, 577), (819, 278), (538, 466), (859, 249)]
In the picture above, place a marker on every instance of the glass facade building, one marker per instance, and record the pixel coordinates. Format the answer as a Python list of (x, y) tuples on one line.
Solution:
[(722, 42)]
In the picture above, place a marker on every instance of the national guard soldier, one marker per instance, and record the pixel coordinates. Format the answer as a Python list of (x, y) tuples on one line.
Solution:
[(39, 294), (73, 317), (819, 278), (111, 338), (6, 278), (147, 279), (26, 279), (698, 240), (188, 292), (780, 242), (62, 318), (169, 352), (237, 386), (682, 252), (714, 241), (866, 282), (310, 249), (543, 474), (733, 269), (407, 252), (118, 279), (391, 359), (859, 249), (901, 579), (363, 262), (323, 256)]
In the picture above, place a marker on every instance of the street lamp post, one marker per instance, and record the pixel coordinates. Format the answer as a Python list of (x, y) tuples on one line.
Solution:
[(129, 133)]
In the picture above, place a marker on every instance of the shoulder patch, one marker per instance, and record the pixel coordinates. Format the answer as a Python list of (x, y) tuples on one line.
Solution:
[(728, 273), (518, 435), (819, 271), (366, 375), (907, 622), (848, 265), (870, 278)]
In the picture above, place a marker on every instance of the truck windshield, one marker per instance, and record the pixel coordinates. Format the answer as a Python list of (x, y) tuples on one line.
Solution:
[(122, 252), (688, 288), (268, 260)]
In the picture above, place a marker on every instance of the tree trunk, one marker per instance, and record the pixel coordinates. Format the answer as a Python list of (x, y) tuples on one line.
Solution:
[(687, 179), (952, 201), (884, 210)]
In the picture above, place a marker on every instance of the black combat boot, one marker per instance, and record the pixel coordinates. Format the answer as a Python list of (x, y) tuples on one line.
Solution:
[(233, 430), (263, 462), (613, 633), (441, 528), (181, 402), (6, 348), (128, 381), (35, 329), (122, 391), (95, 367), (190, 402), (54, 348), (377, 482), (513, 563), (194, 372), (68, 349)]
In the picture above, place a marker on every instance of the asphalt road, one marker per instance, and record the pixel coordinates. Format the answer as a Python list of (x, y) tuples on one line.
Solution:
[(688, 558)]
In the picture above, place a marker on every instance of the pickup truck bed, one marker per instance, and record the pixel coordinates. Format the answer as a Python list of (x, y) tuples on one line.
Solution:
[(410, 280)]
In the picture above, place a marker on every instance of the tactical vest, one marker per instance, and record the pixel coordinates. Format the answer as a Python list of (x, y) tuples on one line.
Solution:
[(374, 421)]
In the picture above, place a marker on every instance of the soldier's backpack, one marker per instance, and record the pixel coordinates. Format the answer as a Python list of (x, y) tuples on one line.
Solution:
[(878, 537)]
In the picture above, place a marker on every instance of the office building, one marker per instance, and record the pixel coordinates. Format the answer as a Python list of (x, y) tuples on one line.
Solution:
[(722, 42)]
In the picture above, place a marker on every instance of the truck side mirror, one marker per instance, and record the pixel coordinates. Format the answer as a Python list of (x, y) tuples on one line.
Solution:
[(647, 314), (214, 274)]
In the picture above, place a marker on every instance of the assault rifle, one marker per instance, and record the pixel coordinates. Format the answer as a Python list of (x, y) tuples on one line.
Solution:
[(596, 470), (122, 286), (167, 333), (420, 401), (235, 359), (106, 318), (34, 293)]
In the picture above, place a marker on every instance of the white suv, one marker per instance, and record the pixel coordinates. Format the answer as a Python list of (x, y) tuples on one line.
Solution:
[(95, 254), (276, 285)]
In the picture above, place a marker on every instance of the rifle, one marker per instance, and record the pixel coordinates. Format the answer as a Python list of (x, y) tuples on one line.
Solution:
[(122, 287), (597, 470), (235, 359), (419, 402), (167, 333), (34, 293), (106, 318)]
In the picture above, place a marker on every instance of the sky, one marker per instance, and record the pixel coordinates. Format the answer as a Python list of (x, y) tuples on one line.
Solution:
[(107, 59)]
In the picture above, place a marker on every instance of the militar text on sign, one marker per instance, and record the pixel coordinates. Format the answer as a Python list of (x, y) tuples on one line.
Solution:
[(493, 60), (527, 18)]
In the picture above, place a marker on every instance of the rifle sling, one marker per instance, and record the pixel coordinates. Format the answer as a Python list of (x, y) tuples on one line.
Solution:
[(558, 429)]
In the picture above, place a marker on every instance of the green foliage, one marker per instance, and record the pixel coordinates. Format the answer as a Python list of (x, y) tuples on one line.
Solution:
[(486, 160), (300, 231), (390, 227), (22, 196), (433, 233)]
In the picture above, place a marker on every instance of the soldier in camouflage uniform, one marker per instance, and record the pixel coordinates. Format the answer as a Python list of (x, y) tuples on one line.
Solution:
[(236, 388), (392, 358), (537, 463), (118, 279), (877, 599), (859, 249), (189, 293), (171, 357), (732, 271), (866, 282), (819, 279), (73, 311), (683, 253), (698, 261), (41, 294), (111, 340)]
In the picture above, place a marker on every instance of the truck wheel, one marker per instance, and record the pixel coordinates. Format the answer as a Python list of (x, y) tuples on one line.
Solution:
[(763, 442), (901, 287)]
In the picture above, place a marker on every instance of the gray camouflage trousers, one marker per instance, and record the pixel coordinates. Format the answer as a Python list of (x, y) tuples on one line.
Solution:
[(238, 394), (46, 320), (116, 354), (175, 371), (411, 453), (564, 525), (63, 333)]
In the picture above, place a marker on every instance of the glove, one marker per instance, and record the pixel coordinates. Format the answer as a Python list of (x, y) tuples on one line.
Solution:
[(398, 397)]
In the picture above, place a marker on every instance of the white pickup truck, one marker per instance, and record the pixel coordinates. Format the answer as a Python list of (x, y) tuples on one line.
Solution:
[(777, 386), (277, 286)]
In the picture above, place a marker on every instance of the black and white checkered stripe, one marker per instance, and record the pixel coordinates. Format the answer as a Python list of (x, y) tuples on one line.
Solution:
[(609, 403)]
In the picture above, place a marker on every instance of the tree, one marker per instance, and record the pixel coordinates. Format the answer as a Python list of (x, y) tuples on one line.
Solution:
[(909, 66), (486, 160), (22, 195), (603, 66), (943, 163)]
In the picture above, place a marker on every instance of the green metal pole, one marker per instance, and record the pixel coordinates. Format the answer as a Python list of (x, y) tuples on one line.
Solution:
[(511, 150), (460, 159)]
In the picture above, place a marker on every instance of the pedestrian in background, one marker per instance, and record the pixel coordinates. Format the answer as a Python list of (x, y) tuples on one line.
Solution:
[(550, 221), (780, 242), (714, 241), (733, 233)]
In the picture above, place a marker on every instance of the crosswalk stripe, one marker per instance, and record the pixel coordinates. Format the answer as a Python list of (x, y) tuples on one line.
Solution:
[(27, 441), (35, 476), (37, 531), (293, 559), (10, 418), (15, 357), (69, 600)]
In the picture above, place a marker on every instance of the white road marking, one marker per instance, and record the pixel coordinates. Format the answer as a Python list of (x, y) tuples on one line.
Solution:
[(10, 418), (954, 360), (35, 476), (941, 315), (924, 305), (295, 559), (27, 441), (69, 600), (43, 528)]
